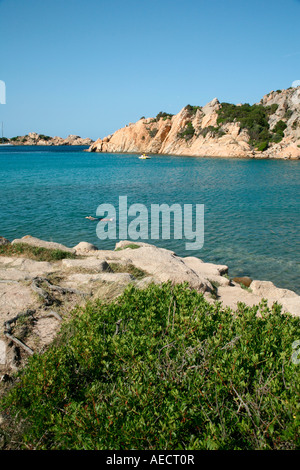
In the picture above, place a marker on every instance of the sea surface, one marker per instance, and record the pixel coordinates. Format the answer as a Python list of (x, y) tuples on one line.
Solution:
[(251, 207)]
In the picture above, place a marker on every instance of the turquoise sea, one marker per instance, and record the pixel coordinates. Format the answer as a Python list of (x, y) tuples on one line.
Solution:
[(252, 207)]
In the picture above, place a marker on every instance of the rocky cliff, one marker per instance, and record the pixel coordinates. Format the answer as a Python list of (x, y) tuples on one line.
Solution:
[(39, 139), (268, 129)]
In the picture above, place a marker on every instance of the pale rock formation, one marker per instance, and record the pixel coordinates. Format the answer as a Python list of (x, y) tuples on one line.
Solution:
[(166, 135), (84, 247), (34, 138)]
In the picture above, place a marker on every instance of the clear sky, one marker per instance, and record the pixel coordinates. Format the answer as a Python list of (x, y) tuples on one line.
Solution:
[(89, 67)]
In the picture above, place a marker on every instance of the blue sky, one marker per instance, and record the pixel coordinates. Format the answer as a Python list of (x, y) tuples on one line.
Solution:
[(90, 67)]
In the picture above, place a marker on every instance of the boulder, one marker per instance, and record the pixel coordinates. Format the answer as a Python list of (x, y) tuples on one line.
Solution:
[(28, 239), (84, 247), (93, 264)]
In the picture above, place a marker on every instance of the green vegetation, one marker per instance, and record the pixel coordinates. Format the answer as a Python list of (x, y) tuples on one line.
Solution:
[(152, 132), (215, 131), (44, 137), (192, 109), (188, 132), (128, 268), (163, 115), (37, 253), (255, 120), (133, 246), (160, 368)]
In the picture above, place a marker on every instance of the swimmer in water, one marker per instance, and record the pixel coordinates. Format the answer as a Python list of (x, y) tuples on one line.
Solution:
[(99, 218)]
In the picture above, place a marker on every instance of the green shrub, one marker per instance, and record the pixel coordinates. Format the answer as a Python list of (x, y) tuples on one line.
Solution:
[(262, 146), (255, 120), (161, 368), (192, 109), (152, 132), (215, 131), (188, 132), (163, 115), (279, 127)]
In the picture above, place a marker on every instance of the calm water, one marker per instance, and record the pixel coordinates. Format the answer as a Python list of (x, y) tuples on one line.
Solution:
[(252, 207)]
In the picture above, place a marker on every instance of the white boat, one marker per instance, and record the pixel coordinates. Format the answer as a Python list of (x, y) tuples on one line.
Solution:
[(144, 157)]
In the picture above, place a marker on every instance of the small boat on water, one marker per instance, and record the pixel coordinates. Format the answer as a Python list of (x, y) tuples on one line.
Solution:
[(144, 157)]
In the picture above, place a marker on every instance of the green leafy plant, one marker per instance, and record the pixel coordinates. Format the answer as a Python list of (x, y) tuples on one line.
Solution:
[(188, 132), (253, 118), (160, 368)]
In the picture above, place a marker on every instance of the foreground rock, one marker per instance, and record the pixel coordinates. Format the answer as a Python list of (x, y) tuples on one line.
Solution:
[(195, 131), (29, 240), (48, 291)]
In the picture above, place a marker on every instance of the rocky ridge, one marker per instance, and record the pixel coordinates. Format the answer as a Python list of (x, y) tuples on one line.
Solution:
[(195, 131), (42, 293), (39, 139)]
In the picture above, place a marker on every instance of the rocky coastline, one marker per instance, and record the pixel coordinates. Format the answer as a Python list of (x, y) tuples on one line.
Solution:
[(40, 139), (274, 132), (45, 292)]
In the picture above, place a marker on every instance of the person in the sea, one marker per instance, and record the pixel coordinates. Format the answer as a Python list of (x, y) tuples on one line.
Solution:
[(99, 218)]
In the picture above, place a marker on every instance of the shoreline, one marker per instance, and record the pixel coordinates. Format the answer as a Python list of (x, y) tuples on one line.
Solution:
[(47, 280)]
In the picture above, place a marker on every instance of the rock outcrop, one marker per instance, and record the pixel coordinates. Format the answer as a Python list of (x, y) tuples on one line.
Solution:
[(195, 131), (39, 139), (46, 292)]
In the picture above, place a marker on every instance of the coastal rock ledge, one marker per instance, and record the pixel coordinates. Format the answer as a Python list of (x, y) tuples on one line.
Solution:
[(47, 291)]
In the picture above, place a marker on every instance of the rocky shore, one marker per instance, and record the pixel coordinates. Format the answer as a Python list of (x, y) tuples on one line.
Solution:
[(43, 293), (269, 129), (39, 139)]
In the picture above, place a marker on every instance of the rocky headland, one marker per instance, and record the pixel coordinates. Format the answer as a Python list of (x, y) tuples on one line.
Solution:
[(40, 139), (35, 295), (268, 129)]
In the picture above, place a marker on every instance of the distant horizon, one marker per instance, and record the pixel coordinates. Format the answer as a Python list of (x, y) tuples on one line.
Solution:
[(93, 68)]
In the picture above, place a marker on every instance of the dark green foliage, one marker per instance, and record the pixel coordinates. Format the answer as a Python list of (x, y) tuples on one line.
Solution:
[(215, 131), (254, 119), (44, 137), (262, 146), (188, 132), (279, 127), (163, 115), (272, 109), (34, 252), (152, 132), (192, 109), (161, 368)]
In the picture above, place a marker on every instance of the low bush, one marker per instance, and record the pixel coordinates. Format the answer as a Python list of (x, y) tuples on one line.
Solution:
[(188, 132), (161, 368)]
